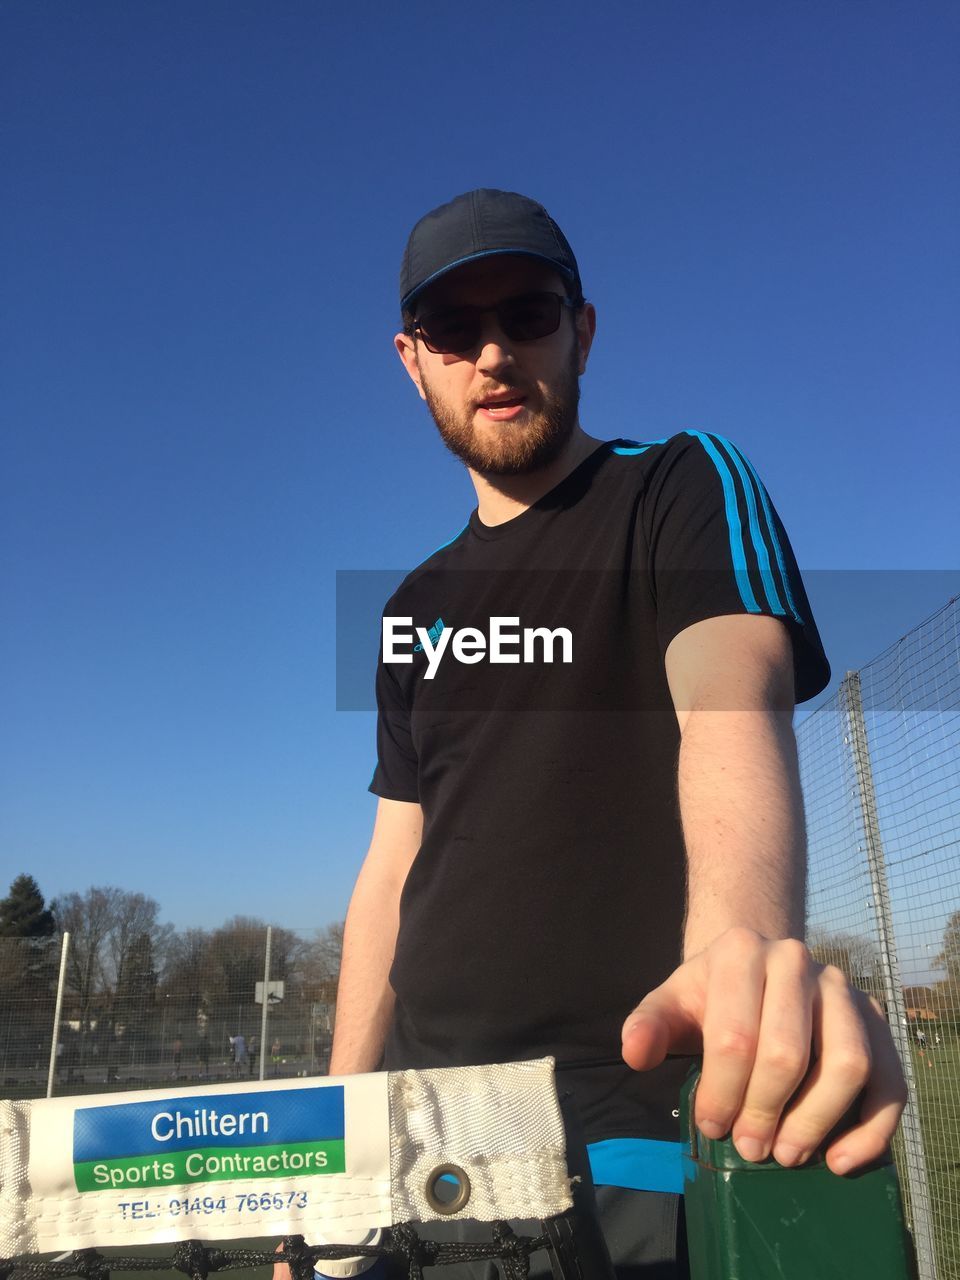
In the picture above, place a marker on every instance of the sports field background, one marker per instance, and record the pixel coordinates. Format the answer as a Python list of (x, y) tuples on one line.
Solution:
[(880, 768), (938, 1087)]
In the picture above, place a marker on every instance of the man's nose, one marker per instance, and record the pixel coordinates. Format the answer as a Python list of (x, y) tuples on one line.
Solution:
[(496, 349)]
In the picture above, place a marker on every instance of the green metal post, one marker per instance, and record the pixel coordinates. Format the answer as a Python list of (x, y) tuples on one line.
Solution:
[(763, 1222)]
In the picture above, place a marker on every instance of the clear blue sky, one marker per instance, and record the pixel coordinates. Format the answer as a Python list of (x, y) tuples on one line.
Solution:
[(203, 213)]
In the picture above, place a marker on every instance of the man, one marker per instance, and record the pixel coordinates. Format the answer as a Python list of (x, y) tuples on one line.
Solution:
[(619, 627), (238, 1045), (203, 1054)]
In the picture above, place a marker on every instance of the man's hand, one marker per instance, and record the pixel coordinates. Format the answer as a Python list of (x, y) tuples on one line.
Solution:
[(788, 1046)]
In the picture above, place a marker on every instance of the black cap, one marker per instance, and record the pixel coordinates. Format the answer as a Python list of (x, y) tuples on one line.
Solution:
[(477, 225)]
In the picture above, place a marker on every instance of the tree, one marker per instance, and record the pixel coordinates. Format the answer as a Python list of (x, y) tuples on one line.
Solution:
[(134, 919), (134, 1004), (23, 912), (946, 1003), (949, 957), (107, 927), (213, 976), (87, 918), (919, 997), (857, 956), (186, 974), (27, 969), (324, 957)]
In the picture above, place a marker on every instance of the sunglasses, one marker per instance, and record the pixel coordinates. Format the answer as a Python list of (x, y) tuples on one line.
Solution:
[(523, 318)]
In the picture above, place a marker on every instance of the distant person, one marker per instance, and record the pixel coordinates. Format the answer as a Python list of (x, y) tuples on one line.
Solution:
[(252, 1053), (239, 1052), (921, 1038), (177, 1056), (203, 1054), (275, 1055)]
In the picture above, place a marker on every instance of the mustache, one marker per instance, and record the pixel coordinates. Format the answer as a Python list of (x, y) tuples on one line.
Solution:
[(498, 389)]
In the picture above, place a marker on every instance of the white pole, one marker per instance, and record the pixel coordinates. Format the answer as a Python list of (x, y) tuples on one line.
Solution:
[(266, 1002), (913, 1145), (52, 1072)]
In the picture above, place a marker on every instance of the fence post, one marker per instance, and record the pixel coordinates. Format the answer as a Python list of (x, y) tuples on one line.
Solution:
[(55, 1039), (915, 1156), (266, 1005)]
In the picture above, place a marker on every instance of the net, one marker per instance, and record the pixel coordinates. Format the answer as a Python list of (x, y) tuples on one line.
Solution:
[(398, 1151), (403, 1250)]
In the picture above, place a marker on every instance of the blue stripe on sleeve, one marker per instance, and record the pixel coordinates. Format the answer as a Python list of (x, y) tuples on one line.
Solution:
[(756, 536), (631, 447), (740, 571), (772, 527)]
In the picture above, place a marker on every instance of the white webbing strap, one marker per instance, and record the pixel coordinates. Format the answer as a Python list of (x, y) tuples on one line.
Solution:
[(226, 1161)]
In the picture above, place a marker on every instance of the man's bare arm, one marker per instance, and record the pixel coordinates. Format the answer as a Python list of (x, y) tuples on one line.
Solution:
[(364, 996), (739, 781), (749, 994)]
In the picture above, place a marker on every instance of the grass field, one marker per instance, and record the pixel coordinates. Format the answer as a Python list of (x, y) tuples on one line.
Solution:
[(937, 1073)]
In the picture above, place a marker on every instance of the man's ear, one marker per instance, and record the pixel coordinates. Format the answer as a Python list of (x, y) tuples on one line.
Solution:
[(586, 323), (407, 351)]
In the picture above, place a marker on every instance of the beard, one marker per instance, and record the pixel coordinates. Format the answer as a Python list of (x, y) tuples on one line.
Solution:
[(509, 448)]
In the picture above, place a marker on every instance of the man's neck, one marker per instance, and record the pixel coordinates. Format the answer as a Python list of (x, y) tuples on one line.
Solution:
[(501, 498)]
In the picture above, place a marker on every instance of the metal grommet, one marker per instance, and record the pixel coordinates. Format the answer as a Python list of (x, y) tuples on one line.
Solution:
[(447, 1189)]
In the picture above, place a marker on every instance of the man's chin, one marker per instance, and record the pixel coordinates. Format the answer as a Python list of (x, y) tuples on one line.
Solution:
[(518, 464), (509, 450)]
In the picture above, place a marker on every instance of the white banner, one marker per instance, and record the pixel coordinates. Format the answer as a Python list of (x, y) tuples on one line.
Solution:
[(271, 1159)]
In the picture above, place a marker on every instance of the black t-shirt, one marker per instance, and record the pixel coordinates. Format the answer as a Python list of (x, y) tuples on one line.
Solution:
[(548, 894)]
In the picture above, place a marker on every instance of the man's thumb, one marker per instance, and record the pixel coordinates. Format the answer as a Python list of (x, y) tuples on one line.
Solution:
[(658, 1026)]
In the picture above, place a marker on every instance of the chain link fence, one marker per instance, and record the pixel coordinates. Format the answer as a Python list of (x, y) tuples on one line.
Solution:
[(880, 765), (243, 1001)]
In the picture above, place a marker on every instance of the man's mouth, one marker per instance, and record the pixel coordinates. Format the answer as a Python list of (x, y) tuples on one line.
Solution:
[(502, 408)]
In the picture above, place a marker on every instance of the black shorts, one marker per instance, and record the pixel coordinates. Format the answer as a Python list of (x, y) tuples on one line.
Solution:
[(643, 1230)]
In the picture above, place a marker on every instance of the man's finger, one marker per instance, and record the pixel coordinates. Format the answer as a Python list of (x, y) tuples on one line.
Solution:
[(883, 1101), (731, 1025), (783, 1047), (840, 1073)]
